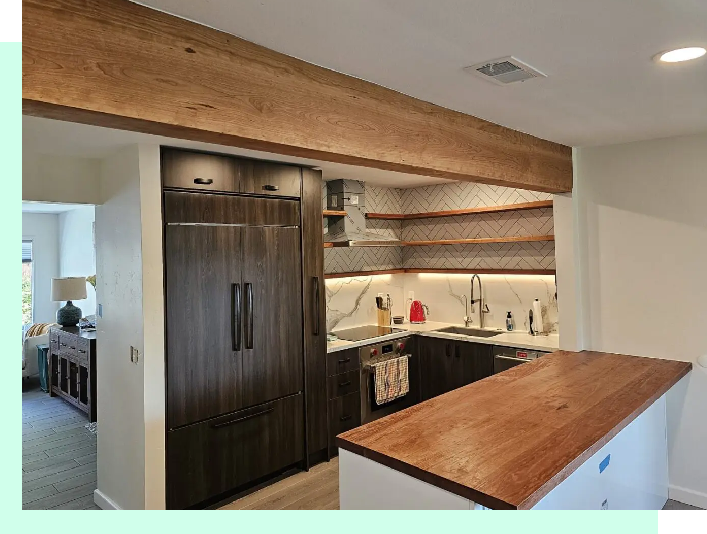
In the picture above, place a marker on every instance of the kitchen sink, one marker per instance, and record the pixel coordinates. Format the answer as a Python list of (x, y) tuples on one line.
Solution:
[(468, 331)]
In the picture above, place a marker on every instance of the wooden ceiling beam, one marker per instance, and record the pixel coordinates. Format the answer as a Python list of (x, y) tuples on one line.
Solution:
[(117, 64)]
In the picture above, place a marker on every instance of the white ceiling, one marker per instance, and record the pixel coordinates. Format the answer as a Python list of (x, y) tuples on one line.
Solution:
[(602, 86), (47, 207), (46, 136)]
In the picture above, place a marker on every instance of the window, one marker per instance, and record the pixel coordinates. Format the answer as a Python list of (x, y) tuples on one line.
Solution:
[(26, 283)]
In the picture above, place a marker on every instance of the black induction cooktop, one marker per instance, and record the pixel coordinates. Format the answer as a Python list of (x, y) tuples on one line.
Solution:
[(360, 333)]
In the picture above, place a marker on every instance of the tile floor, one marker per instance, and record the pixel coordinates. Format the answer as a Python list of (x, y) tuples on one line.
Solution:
[(58, 454)]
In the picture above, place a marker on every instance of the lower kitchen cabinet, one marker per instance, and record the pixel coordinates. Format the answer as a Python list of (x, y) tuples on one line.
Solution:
[(436, 366), (448, 364), (207, 459), (475, 361), (344, 414)]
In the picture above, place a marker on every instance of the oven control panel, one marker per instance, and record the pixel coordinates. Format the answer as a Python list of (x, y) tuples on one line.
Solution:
[(391, 349)]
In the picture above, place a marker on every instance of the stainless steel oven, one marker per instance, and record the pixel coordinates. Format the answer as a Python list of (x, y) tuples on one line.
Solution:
[(505, 357), (370, 411)]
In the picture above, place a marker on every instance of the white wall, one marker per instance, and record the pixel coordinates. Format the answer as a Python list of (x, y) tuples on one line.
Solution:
[(131, 395), (642, 265), (76, 251), (43, 230), (60, 179)]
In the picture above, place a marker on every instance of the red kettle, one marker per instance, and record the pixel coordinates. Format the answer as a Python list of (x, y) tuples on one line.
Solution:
[(417, 312)]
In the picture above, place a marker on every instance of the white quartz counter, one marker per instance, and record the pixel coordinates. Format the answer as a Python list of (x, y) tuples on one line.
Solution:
[(520, 340)]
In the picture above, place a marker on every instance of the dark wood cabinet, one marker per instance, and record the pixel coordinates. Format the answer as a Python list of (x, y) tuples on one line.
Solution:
[(342, 361), (344, 414), (185, 169), (218, 456), (314, 315), (265, 178), (436, 366), (72, 368), (245, 322), (449, 364)]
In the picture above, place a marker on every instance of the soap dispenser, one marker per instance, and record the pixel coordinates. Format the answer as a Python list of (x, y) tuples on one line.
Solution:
[(509, 322)]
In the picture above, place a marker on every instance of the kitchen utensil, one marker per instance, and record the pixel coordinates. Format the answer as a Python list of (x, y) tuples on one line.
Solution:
[(418, 312)]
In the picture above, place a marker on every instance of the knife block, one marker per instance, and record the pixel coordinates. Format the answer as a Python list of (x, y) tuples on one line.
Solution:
[(383, 317)]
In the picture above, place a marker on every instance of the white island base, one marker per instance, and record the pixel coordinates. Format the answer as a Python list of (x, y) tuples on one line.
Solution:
[(630, 472)]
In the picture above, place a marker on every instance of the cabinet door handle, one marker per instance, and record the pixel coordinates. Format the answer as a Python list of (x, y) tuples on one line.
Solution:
[(344, 384), (236, 316), (315, 326), (241, 419), (203, 181), (249, 315), (345, 418), (347, 360), (270, 187)]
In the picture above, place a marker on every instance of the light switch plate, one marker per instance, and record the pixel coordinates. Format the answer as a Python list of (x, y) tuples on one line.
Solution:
[(100, 310), (353, 200)]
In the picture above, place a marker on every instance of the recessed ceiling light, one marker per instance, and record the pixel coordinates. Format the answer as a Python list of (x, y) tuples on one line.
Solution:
[(681, 54)]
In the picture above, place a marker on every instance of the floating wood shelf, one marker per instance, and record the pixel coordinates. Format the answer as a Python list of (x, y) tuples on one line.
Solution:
[(333, 213), (550, 272), (475, 241), (452, 213), (479, 240)]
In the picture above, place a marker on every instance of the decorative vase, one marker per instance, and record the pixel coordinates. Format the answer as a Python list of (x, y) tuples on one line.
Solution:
[(69, 315)]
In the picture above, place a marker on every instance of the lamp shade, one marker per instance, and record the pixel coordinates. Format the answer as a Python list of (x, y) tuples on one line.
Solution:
[(73, 288)]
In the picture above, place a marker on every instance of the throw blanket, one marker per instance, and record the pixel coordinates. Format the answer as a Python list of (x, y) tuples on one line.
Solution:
[(38, 329), (391, 379)]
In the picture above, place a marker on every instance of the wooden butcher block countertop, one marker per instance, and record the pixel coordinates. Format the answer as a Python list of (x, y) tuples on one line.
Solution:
[(506, 441)]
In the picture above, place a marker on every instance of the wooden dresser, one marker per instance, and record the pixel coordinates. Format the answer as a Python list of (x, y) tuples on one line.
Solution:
[(72, 368)]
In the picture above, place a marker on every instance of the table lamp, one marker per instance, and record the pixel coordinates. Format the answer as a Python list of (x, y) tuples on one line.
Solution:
[(68, 289)]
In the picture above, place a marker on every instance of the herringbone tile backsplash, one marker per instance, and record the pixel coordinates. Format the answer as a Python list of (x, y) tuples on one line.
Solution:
[(456, 195), (463, 195)]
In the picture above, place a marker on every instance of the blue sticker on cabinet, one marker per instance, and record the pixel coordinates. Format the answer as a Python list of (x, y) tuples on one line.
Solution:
[(604, 463)]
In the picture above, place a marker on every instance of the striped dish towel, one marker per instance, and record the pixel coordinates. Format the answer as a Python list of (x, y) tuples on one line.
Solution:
[(391, 379)]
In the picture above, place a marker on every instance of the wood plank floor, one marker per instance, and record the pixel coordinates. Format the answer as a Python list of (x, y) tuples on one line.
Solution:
[(58, 454), (319, 490), (316, 490)]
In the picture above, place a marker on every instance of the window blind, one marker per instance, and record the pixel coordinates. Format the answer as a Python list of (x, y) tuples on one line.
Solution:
[(26, 251)]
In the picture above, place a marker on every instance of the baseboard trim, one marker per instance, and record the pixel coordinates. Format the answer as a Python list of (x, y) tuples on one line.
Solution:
[(103, 501), (686, 496)]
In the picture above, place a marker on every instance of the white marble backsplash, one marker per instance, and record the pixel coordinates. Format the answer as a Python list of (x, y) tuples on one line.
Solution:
[(351, 301), (442, 293)]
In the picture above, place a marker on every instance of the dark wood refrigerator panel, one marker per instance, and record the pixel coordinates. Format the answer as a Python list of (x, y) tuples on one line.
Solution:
[(205, 208), (209, 459), (272, 313), (314, 308), (203, 278)]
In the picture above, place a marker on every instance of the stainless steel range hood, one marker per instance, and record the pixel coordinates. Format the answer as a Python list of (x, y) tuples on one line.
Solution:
[(350, 230)]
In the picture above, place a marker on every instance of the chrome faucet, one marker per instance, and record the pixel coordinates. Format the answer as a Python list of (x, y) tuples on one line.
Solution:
[(483, 308)]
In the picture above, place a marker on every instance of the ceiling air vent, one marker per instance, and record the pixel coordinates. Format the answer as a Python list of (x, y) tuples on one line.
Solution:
[(505, 70)]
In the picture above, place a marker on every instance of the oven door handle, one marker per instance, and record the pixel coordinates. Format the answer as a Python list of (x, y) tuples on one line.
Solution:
[(511, 358)]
